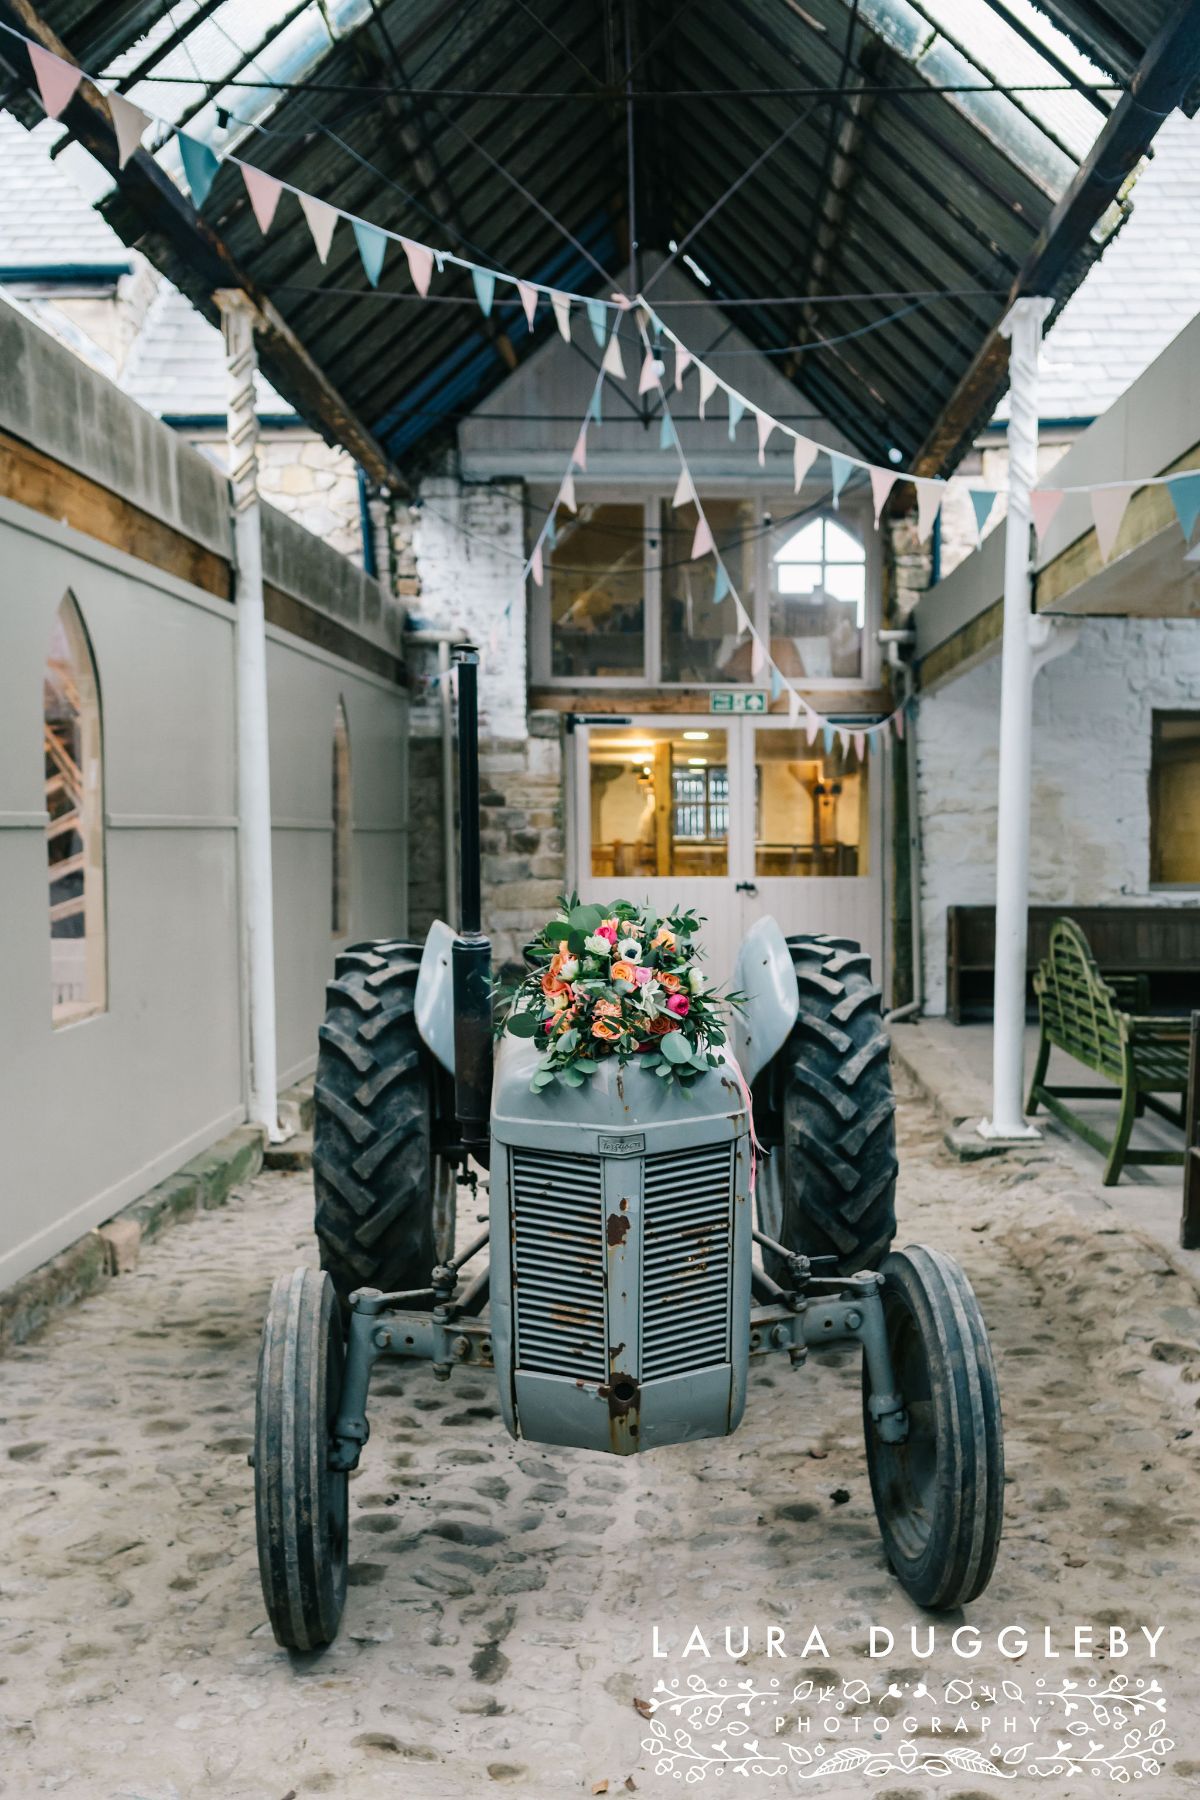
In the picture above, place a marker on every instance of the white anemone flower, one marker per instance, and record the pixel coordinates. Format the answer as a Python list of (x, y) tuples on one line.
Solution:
[(630, 950)]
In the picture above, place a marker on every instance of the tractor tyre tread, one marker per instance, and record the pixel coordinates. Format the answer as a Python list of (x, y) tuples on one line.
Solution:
[(839, 1139), (372, 1160)]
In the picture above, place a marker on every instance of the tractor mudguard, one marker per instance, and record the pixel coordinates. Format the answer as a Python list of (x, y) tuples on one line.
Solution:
[(434, 1002), (764, 973)]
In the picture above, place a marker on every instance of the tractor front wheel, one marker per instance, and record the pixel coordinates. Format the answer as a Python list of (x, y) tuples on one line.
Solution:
[(939, 1494), (301, 1505)]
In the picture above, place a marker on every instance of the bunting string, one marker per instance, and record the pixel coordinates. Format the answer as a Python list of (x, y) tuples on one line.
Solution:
[(57, 81)]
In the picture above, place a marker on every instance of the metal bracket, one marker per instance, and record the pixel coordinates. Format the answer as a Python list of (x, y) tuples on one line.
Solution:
[(855, 1313)]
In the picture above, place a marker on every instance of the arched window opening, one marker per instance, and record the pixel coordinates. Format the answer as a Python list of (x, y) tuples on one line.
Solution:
[(818, 601), (340, 910), (75, 829)]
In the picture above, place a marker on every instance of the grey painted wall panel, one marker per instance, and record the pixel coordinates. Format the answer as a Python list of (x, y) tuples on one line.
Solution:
[(97, 1111)]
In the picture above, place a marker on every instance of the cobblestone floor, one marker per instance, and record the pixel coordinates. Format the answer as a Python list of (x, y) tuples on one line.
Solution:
[(498, 1630)]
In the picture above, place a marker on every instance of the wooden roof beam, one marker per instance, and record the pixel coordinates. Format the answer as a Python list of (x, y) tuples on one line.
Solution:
[(180, 243)]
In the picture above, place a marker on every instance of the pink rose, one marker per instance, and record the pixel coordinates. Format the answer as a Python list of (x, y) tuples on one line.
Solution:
[(680, 1005), (606, 931), (642, 975)]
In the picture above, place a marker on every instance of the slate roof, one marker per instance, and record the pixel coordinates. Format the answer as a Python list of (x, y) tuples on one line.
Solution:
[(44, 218), (176, 367)]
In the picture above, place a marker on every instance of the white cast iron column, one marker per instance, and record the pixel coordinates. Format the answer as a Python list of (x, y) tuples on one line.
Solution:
[(238, 317), (1023, 327)]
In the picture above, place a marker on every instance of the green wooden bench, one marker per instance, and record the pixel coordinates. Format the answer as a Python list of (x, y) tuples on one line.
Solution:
[(1142, 1057)]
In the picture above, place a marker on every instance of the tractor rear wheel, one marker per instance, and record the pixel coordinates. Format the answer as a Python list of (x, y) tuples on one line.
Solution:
[(939, 1495), (382, 1193), (836, 1184), (301, 1505)]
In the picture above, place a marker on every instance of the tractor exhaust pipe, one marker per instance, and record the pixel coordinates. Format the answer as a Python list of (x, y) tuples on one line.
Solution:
[(471, 956)]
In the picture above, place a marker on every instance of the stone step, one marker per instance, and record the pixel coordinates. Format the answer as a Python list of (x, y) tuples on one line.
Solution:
[(294, 1152)]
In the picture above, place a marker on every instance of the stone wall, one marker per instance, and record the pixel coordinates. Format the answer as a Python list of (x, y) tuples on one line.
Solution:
[(314, 484), (1091, 763)]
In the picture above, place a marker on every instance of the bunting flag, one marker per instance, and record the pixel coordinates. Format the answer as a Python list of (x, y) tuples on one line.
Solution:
[(827, 739), (766, 426), (804, 454), (682, 359), (263, 191), (860, 744), (776, 683), (129, 122), (930, 494), (683, 489), (321, 219), (666, 431), (550, 528), (794, 705), (484, 283), (200, 166), (529, 301), (708, 386), (840, 467), (420, 264), (535, 563), (1185, 498), (812, 724), (611, 363), (597, 314), (56, 79), (758, 655), (579, 453), (649, 375), (1043, 504), (737, 407), (982, 502), (721, 583), (1108, 509), (898, 721), (562, 315), (566, 493), (372, 248), (594, 404), (702, 542), (882, 483)]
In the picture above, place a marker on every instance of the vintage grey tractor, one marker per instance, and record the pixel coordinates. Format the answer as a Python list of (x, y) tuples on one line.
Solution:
[(623, 1298)]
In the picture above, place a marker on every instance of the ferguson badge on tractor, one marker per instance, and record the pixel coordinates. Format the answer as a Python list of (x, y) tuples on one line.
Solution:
[(623, 1297)]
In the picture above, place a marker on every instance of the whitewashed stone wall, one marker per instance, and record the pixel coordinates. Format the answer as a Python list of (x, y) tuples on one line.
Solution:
[(1091, 766), (314, 484)]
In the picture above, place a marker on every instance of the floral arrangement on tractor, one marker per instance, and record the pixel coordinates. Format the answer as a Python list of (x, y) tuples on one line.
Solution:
[(618, 980)]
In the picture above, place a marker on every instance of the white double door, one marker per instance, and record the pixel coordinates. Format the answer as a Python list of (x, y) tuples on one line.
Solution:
[(735, 818)]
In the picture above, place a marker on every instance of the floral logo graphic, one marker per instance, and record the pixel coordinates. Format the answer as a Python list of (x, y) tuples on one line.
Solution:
[(1114, 1729)]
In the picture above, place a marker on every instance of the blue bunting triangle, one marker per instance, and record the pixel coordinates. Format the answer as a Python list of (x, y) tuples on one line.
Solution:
[(372, 248), (721, 584), (666, 437), (839, 469), (982, 500), (593, 411), (827, 739), (200, 166), (597, 314), (484, 283), (551, 533), (1185, 498), (737, 407), (776, 683)]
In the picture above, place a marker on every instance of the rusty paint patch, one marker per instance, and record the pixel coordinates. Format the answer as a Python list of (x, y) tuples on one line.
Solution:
[(617, 1230)]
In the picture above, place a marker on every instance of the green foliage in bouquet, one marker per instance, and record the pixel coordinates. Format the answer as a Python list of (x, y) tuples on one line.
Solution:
[(619, 981)]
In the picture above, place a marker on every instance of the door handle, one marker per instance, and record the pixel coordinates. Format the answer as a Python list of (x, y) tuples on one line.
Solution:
[(746, 887)]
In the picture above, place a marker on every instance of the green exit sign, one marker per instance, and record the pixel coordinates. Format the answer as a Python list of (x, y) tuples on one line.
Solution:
[(737, 700)]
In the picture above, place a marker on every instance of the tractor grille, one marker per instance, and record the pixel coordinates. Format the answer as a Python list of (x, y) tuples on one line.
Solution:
[(686, 1247), (558, 1259)]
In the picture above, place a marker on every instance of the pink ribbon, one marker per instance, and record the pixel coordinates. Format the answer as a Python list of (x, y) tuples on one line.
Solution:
[(756, 1149)]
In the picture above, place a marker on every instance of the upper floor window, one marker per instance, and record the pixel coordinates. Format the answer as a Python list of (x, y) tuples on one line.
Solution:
[(1175, 799), (624, 604), (73, 752), (340, 904)]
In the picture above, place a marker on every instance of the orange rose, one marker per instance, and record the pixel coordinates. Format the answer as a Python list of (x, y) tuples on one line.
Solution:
[(552, 985), (664, 1023), (663, 939), (565, 1020), (672, 983), (607, 1009), (622, 971), (603, 1029)]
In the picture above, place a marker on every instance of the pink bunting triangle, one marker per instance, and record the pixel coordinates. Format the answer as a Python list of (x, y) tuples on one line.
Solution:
[(129, 122), (898, 723), (1044, 503), (579, 453), (758, 654), (812, 724), (702, 542), (766, 425), (1108, 509), (683, 489), (56, 79), (803, 457), (529, 301), (611, 362), (860, 744), (562, 315), (566, 493), (649, 376), (930, 494), (708, 386), (741, 616), (420, 264), (264, 192), (322, 218), (535, 563), (882, 483), (682, 359)]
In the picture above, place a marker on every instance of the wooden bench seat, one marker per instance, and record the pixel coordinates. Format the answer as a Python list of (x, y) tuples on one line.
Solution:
[(1143, 1057)]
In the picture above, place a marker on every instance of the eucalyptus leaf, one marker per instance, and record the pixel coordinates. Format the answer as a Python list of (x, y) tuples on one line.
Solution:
[(586, 1066), (675, 1047), (568, 1041), (524, 1025), (570, 1077), (585, 919)]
